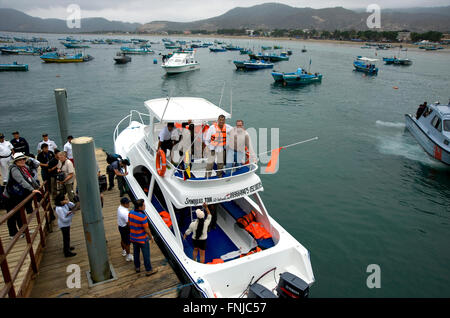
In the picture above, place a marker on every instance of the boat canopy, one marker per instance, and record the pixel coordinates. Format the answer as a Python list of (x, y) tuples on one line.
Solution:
[(182, 109), (366, 59)]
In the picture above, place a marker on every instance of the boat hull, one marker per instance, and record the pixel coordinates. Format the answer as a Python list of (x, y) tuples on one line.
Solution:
[(62, 60), (430, 147), (13, 68), (371, 71), (180, 69)]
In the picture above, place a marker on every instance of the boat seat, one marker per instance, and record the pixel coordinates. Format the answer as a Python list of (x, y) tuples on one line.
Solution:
[(236, 212)]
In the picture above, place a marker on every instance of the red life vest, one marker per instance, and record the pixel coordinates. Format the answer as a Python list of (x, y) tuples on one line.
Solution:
[(258, 231), (166, 218), (219, 138), (245, 221), (216, 261)]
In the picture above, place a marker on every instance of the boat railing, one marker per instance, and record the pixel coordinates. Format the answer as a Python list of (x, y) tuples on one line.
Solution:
[(227, 173), (129, 117)]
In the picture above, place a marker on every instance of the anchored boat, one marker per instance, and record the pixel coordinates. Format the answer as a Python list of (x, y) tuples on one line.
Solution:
[(300, 77), (135, 50), (180, 63), (365, 65), (54, 57), (431, 128), (14, 67), (253, 64), (217, 49), (122, 58), (235, 257)]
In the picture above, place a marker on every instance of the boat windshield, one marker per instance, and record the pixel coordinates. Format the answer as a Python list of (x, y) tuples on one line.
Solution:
[(447, 125)]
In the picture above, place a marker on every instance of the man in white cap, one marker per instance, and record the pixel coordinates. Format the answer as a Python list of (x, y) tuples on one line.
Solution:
[(6, 151), (51, 144), (199, 228)]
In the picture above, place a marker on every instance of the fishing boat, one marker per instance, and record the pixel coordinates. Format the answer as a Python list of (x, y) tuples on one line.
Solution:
[(217, 49), (232, 48), (365, 65), (253, 64), (235, 259), (135, 50), (277, 47), (273, 57), (300, 77), (265, 48), (304, 49), (246, 51), (75, 46), (366, 47), (180, 63), (432, 130), (54, 57), (14, 67), (396, 61), (122, 58), (289, 52)]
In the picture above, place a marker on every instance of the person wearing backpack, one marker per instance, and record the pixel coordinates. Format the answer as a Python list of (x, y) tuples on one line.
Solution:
[(118, 168), (19, 186)]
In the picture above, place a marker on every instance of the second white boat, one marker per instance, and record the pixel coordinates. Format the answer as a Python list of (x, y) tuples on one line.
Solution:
[(180, 63)]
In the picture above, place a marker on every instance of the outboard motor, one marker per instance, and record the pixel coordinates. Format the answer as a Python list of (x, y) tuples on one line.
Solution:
[(290, 286), (259, 291)]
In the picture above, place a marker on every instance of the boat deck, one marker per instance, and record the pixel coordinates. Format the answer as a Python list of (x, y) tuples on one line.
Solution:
[(51, 279)]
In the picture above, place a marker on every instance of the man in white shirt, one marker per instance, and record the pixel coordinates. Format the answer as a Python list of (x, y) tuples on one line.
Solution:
[(66, 179), (124, 228), (216, 140), (68, 148), (51, 144), (168, 137), (238, 146), (6, 151)]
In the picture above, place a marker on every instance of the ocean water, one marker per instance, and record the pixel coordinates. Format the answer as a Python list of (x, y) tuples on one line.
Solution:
[(364, 193)]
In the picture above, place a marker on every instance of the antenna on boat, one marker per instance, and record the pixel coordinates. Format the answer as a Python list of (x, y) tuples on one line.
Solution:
[(231, 101), (221, 95), (168, 100)]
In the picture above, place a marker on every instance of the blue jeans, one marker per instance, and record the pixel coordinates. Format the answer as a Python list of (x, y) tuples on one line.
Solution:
[(137, 247)]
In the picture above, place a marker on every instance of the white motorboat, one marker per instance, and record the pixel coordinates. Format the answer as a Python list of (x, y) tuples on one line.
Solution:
[(180, 63), (431, 128), (239, 262)]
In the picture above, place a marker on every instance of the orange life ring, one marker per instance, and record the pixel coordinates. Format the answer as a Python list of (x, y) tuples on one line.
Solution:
[(247, 156), (161, 162)]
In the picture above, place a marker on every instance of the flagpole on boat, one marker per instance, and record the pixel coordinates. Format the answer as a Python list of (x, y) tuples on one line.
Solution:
[(294, 144)]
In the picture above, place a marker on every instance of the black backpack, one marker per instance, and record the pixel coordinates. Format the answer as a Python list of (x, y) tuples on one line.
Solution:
[(110, 158)]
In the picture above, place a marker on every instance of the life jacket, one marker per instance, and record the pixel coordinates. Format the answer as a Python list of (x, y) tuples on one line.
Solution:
[(216, 261), (255, 250), (219, 138), (166, 218), (245, 221), (258, 231)]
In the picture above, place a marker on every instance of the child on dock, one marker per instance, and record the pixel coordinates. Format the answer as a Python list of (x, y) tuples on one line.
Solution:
[(124, 228)]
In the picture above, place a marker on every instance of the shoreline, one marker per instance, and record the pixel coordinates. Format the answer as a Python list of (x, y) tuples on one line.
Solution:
[(246, 37)]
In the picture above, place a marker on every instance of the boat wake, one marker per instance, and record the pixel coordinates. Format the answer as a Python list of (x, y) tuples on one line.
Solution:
[(390, 124), (403, 146)]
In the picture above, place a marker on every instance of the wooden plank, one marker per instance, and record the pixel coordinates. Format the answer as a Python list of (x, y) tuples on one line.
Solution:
[(52, 276)]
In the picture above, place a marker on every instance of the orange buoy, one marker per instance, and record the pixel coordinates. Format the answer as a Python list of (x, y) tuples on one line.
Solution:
[(395, 87), (161, 162)]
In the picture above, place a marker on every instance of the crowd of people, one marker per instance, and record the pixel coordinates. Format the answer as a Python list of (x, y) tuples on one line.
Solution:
[(226, 146)]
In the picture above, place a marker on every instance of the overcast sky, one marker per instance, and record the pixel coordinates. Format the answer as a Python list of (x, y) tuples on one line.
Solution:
[(143, 11)]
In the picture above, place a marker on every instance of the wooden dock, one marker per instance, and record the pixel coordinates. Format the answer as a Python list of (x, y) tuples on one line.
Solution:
[(52, 276)]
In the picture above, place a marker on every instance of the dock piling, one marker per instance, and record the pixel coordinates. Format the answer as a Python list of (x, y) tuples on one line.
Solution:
[(63, 113), (89, 193)]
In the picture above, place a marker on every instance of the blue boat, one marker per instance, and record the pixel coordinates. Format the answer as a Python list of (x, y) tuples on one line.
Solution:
[(75, 46), (134, 50), (270, 57), (14, 67), (253, 64), (246, 51), (300, 77), (217, 49), (365, 65), (232, 48)]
